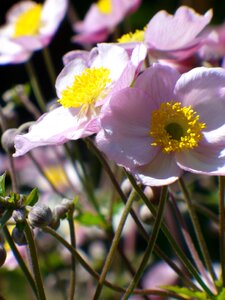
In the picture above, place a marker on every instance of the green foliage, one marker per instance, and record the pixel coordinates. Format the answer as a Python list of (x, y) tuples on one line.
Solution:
[(185, 292), (32, 198), (89, 219), (2, 185)]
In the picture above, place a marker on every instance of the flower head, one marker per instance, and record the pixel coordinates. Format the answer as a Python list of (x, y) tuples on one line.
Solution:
[(101, 19), (167, 123), (170, 36), (31, 25), (83, 87)]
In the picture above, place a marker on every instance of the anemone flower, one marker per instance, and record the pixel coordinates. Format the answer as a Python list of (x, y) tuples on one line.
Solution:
[(32, 25), (83, 86), (170, 36), (102, 18), (167, 123)]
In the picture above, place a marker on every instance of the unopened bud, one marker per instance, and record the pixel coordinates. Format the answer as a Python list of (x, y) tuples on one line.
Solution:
[(55, 222), (3, 255), (19, 215), (146, 215), (153, 194), (7, 140), (40, 216), (60, 211), (126, 186), (19, 236)]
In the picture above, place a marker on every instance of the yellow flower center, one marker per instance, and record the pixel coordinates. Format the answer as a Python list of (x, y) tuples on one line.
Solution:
[(86, 88), (137, 36), (56, 175), (105, 6), (175, 128), (28, 23)]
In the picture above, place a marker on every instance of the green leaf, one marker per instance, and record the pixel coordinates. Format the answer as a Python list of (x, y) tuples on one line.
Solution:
[(221, 295), (32, 198), (89, 219), (185, 292), (2, 185)]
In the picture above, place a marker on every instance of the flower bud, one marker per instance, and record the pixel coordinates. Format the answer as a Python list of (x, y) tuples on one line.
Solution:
[(7, 140), (55, 222), (19, 215), (40, 216), (3, 255), (146, 215), (19, 236), (60, 211), (126, 186)]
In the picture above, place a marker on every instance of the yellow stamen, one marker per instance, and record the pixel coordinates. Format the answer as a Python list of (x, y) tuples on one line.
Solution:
[(28, 23), (86, 88), (175, 128), (105, 6), (137, 36)]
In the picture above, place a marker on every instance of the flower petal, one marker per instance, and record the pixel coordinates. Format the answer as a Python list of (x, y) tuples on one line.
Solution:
[(159, 82), (168, 32), (206, 159), (161, 170), (124, 137), (53, 128), (204, 89)]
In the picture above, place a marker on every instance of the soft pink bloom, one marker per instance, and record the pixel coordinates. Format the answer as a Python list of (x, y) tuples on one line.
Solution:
[(49, 17), (142, 125), (174, 36), (78, 116), (97, 25)]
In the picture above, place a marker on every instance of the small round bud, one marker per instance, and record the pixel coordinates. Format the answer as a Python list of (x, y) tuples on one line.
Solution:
[(67, 203), (3, 255), (126, 186), (19, 236), (153, 194), (55, 222), (40, 216), (19, 215), (60, 211), (146, 215), (7, 140)]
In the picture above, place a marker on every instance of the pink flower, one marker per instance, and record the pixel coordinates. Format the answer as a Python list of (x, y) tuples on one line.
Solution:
[(167, 123), (102, 18), (83, 86), (31, 26), (171, 36)]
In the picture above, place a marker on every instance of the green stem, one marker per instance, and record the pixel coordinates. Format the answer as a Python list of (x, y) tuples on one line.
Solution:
[(19, 259), (73, 260), (34, 262), (222, 226), (96, 275), (114, 245), (150, 245), (50, 66), (35, 85), (140, 227), (186, 262), (197, 228)]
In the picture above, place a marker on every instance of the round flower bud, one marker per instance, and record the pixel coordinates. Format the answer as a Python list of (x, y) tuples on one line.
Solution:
[(40, 216), (55, 222), (7, 140), (60, 211), (126, 186), (67, 203), (19, 215), (19, 236), (146, 215), (3, 255)]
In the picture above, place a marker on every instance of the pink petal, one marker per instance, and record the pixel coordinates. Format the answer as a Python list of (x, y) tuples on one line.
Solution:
[(53, 128), (161, 170), (124, 137), (204, 89), (158, 82), (206, 159), (168, 32)]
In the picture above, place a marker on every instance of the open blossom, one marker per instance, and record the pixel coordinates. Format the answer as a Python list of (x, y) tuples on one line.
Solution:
[(167, 123), (101, 19), (31, 26), (170, 36), (82, 87)]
